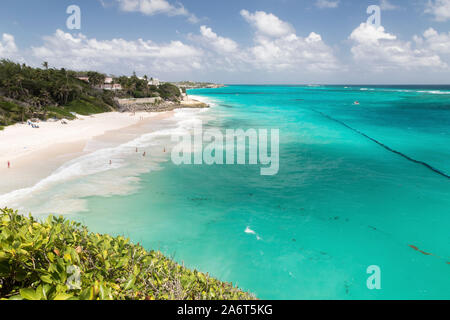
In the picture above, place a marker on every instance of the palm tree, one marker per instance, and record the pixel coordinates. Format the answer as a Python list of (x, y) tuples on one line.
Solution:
[(45, 65), (25, 111), (14, 86), (36, 102), (58, 92), (65, 92), (18, 78), (96, 79), (11, 88), (146, 88), (45, 96)]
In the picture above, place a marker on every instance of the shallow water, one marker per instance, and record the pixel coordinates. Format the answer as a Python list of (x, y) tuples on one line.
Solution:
[(340, 202)]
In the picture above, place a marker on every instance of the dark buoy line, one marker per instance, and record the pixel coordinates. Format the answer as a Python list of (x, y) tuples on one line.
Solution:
[(426, 165)]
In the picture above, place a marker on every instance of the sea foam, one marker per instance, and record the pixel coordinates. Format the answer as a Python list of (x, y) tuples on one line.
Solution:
[(92, 174)]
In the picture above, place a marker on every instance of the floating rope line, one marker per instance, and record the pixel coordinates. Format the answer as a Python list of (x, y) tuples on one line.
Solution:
[(384, 146)]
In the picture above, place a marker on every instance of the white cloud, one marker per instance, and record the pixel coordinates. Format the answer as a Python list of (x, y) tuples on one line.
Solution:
[(279, 51), (8, 48), (267, 24), (277, 47), (440, 9), (327, 4), (220, 54), (378, 50), (206, 52), (117, 55), (221, 44), (434, 41), (152, 7), (386, 5), (368, 33), (293, 53)]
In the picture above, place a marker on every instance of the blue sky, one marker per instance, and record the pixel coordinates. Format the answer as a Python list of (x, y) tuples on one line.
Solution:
[(253, 41)]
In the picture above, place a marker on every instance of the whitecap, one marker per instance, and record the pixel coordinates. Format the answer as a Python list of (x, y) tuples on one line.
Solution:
[(249, 231), (66, 189)]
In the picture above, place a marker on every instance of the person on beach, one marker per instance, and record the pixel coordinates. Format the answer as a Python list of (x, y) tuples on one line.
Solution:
[(110, 162), (9, 165), (136, 150), (144, 154)]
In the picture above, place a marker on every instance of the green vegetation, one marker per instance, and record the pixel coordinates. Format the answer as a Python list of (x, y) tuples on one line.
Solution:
[(59, 113), (10, 112), (27, 93), (168, 91), (61, 260), (87, 105), (133, 87), (33, 93), (139, 88)]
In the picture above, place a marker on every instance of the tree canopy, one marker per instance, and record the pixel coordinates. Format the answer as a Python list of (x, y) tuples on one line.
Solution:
[(27, 92)]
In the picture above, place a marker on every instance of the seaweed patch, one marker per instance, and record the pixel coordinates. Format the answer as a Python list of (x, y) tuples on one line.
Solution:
[(417, 249)]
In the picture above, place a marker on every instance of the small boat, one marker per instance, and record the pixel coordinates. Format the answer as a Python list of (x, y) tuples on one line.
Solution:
[(356, 103)]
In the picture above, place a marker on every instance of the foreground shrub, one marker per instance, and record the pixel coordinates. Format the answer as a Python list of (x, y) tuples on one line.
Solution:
[(61, 260)]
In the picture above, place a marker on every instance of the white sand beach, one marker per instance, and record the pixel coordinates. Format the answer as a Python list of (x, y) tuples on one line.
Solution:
[(34, 153)]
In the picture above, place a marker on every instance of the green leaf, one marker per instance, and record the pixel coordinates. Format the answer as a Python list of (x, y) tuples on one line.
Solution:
[(29, 294), (4, 267), (87, 294), (47, 278), (63, 296), (112, 268), (130, 283), (104, 292), (42, 291)]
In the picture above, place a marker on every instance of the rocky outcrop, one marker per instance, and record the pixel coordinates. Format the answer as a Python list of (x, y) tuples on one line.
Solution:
[(157, 105)]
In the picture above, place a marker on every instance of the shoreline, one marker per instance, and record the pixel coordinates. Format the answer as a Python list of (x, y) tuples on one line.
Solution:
[(35, 153)]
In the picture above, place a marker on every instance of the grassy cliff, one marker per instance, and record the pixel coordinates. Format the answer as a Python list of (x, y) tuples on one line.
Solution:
[(61, 260)]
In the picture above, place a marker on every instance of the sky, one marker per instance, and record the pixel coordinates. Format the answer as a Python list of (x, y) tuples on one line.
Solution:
[(232, 41)]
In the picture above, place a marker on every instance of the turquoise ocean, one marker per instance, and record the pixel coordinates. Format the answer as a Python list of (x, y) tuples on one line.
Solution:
[(358, 185)]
